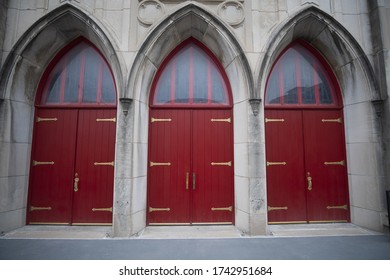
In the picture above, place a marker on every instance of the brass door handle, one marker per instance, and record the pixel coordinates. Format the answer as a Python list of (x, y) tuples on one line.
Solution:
[(187, 179), (76, 182), (193, 181), (309, 181)]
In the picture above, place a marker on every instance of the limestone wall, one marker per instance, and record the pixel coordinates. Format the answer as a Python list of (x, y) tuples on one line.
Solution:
[(247, 36)]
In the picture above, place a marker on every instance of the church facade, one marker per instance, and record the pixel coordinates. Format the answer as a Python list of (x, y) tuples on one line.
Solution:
[(161, 112)]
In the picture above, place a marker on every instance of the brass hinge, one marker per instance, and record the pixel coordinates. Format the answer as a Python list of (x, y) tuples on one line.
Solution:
[(159, 164), (106, 120), (111, 163), (152, 120), (35, 163), (151, 209), (332, 120), (269, 163), (230, 208), (277, 208), (102, 209), (33, 208), (228, 163), (229, 120), (342, 207), (273, 120), (46, 119), (335, 163)]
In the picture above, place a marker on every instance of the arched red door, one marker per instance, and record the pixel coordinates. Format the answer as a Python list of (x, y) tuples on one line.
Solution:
[(72, 162), (190, 170), (305, 144)]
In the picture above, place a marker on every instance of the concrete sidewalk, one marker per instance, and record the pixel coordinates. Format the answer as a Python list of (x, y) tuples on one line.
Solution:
[(294, 242)]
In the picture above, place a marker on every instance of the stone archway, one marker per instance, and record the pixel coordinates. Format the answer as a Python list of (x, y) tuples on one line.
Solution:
[(359, 90), (188, 21), (19, 79)]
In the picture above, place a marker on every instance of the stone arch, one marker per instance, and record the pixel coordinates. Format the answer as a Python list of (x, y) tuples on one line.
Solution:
[(39, 44), (331, 39), (189, 20), (19, 80), (359, 89)]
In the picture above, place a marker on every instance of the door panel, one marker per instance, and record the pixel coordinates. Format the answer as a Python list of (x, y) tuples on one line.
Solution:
[(285, 166), (169, 164), (52, 167), (184, 185), (313, 188), (326, 161), (92, 202), (213, 166), (67, 142)]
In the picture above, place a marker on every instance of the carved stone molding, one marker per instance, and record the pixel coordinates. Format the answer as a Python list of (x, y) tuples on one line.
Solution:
[(149, 11), (232, 11)]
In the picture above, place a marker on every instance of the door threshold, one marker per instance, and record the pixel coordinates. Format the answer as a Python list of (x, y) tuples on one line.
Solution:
[(322, 229), (190, 231), (49, 231)]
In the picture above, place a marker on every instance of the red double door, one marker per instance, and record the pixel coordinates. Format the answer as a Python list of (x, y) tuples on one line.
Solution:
[(72, 167), (306, 166), (190, 168)]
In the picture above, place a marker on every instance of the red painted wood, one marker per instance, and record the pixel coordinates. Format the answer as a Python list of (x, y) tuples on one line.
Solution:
[(212, 142), (169, 142), (324, 142), (307, 142), (190, 142), (74, 142), (285, 183), (95, 143), (51, 185)]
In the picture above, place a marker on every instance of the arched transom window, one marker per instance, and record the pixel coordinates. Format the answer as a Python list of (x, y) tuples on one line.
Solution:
[(301, 79), (191, 77), (81, 77)]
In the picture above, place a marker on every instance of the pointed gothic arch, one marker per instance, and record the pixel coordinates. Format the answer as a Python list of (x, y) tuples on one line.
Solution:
[(359, 91), (189, 20), (23, 69)]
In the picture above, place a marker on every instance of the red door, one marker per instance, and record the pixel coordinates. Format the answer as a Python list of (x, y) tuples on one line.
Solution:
[(212, 155), (52, 165), (285, 166), (325, 160), (190, 167), (169, 166), (94, 167), (72, 167), (306, 166)]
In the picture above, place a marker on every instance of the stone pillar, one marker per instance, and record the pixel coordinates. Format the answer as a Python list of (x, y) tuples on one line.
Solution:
[(379, 20), (3, 21)]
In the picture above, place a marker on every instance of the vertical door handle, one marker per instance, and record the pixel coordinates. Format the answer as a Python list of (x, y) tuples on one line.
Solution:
[(309, 181), (76, 182), (187, 179), (193, 181)]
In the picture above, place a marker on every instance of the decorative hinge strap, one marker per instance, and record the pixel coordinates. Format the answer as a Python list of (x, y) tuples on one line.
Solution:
[(151, 209), (230, 208), (277, 208), (102, 209)]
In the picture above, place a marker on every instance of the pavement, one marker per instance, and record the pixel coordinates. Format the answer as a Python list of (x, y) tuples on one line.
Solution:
[(284, 242)]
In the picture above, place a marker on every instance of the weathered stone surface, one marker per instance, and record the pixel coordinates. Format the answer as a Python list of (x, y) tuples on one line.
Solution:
[(246, 37)]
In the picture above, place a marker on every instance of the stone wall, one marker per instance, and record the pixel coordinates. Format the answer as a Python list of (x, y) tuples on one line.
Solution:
[(247, 37)]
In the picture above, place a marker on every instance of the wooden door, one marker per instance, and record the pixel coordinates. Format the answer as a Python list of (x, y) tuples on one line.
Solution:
[(94, 167), (285, 166), (72, 170), (325, 160), (190, 167), (52, 165), (169, 167), (212, 166), (306, 166)]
